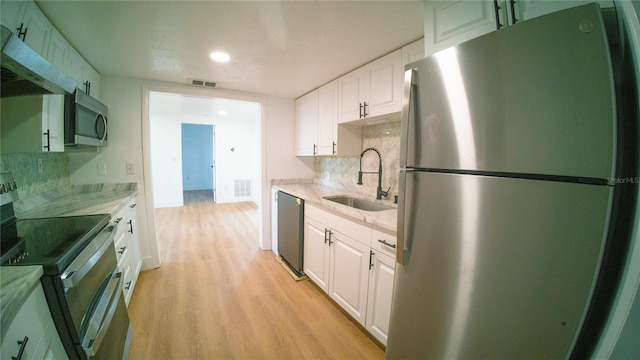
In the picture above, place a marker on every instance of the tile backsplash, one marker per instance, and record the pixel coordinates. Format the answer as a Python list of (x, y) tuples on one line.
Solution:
[(384, 137), (24, 166)]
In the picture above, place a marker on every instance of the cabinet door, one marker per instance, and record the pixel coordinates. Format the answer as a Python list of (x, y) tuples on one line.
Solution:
[(349, 275), (448, 23), (350, 95), (53, 123), (75, 67), (11, 13), (528, 9), (380, 293), (316, 253), (49, 347), (30, 321), (92, 77), (384, 85), (134, 239), (306, 122), (412, 52), (38, 29), (327, 118)]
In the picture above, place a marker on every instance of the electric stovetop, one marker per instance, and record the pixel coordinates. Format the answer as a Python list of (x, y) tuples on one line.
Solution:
[(50, 242)]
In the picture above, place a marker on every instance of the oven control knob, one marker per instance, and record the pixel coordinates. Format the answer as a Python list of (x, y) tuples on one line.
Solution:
[(2, 188)]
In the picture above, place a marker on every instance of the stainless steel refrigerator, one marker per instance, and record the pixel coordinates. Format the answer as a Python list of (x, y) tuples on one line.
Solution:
[(515, 202)]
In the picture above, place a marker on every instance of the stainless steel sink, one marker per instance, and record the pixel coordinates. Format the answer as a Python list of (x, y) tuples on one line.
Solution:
[(358, 203)]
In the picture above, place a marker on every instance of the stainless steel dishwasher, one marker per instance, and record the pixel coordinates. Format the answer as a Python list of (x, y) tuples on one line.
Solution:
[(291, 231)]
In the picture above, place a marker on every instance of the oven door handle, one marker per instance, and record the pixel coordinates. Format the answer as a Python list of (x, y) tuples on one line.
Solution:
[(88, 257), (102, 315)]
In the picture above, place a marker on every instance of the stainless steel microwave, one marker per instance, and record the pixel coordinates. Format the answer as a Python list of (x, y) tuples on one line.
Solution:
[(85, 121)]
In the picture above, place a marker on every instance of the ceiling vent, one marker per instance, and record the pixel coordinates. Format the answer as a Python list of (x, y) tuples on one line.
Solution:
[(203, 83)]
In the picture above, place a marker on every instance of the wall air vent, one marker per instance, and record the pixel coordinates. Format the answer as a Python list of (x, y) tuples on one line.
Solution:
[(203, 83)]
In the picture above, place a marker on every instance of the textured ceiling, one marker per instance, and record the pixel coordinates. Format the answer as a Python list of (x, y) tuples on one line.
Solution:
[(281, 48)]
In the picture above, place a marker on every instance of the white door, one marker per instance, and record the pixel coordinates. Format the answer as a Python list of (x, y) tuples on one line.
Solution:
[(350, 90), (327, 118)]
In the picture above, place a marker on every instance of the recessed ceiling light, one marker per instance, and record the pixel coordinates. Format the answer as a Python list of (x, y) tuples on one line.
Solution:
[(222, 112), (219, 56)]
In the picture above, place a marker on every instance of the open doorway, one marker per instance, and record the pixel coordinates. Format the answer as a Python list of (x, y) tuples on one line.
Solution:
[(198, 159), (237, 147)]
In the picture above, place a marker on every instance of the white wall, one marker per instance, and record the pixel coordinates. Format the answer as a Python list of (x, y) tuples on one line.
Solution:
[(127, 110), (166, 160)]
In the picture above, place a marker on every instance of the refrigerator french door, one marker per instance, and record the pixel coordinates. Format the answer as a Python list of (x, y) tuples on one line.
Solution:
[(507, 194)]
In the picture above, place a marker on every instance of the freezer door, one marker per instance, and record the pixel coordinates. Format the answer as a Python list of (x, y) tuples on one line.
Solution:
[(494, 268), (534, 98)]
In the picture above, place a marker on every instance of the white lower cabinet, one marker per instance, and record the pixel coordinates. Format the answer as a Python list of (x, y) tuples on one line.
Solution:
[(353, 264), (316, 252), (349, 275), (380, 293), (32, 322), (126, 247)]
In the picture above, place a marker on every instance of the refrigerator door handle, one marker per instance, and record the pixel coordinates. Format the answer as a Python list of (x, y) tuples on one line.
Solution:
[(403, 228), (407, 114)]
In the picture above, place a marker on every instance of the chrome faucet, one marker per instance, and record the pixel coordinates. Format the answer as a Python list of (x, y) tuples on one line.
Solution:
[(379, 193)]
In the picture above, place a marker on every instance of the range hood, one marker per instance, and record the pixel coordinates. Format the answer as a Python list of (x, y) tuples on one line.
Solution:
[(25, 72)]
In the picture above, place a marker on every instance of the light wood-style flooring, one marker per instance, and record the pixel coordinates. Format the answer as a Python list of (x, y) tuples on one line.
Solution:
[(218, 296)]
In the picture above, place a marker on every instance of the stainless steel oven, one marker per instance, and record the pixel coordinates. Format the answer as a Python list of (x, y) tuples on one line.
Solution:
[(81, 281)]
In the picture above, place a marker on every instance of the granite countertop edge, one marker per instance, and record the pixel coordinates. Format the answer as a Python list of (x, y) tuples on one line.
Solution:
[(75, 200), (314, 193), (16, 283)]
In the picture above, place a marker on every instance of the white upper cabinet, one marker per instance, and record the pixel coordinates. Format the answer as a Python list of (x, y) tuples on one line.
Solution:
[(448, 23), (371, 91), (317, 131), (81, 71), (35, 29), (528, 9), (306, 124), (11, 13), (333, 138), (327, 118), (412, 52)]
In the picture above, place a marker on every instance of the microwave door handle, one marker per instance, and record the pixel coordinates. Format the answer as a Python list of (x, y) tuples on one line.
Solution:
[(89, 256), (101, 318)]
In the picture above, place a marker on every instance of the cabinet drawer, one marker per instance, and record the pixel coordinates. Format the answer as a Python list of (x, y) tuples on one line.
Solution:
[(121, 219), (121, 246), (384, 242), (352, 228)]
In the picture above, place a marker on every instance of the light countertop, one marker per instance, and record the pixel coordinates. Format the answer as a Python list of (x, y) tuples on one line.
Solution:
[(16, 283), (313, 194)]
